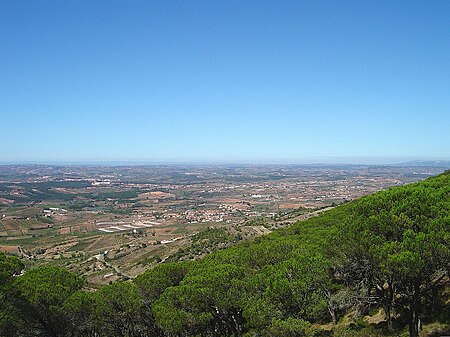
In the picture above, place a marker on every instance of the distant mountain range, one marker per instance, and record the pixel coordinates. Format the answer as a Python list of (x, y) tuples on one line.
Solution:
[(426, 163)]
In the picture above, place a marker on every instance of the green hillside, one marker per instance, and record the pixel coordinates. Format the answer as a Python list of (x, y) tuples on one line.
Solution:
[(378, 266)]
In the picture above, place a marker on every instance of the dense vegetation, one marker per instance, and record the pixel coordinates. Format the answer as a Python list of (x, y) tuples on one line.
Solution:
[(388, 251)]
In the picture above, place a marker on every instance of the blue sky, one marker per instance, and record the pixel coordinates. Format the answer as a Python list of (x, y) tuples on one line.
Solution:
[(224, 81)]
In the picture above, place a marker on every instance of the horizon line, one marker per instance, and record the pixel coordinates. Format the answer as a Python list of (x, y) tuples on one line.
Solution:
[(353, 161)]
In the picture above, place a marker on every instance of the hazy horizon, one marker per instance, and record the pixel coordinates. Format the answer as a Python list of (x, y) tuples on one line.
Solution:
[(324, 161)]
